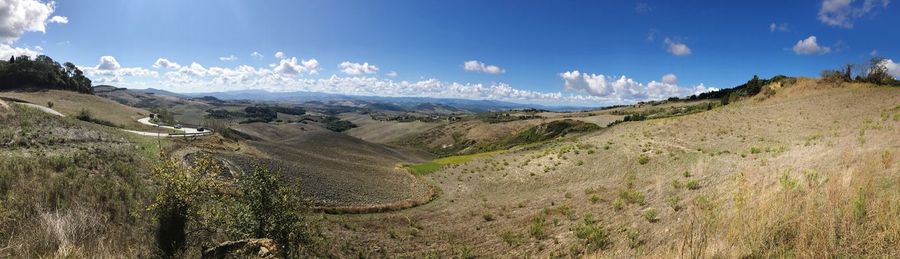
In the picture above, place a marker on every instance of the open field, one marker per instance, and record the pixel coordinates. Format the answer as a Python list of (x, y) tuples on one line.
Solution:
[(385, 131), (336, 172), (808, 172), (71, 104)]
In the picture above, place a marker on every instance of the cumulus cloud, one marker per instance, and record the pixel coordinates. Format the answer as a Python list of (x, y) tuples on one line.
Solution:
[(59, 19), (781, 27), (110, 71), (228, 58), (809, 46), (892, 68), (841, 13), (256, 55), (677, 48), (478, 66), (7, 51), (108, 63), (165, 63), (20, 16), (354, 69), (293, 66), (392, 74), (670, 79), (626, 89), (280, 55)]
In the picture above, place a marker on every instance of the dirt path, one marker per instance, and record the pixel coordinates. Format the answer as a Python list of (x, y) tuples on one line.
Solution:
[(188, 132)]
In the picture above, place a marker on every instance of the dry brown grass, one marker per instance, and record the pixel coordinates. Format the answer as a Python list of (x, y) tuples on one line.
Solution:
[(71, 103), (797, 196)]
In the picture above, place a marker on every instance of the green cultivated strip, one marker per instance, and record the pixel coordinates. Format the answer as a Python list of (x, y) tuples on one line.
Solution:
[(437, 164)]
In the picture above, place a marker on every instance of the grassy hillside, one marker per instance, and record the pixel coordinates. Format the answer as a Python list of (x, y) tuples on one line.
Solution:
[(334, 171), (70, 188), (808, 171), (72, 103), (385, 131)]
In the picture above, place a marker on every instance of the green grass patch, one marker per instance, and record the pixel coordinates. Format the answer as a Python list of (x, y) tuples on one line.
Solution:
[(435, 165)]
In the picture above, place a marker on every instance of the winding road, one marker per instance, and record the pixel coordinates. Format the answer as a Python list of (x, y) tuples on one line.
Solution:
[(187, 132)]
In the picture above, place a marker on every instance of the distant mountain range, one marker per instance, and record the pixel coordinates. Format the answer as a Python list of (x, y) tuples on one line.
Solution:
[(302, 97)]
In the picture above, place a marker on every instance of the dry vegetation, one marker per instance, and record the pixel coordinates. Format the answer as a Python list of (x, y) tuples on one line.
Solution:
[(72, 103), (809, 171)]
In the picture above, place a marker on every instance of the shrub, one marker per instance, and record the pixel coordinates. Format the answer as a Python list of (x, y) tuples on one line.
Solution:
[(512, 238), (536, 229), (592, 234), (634, 239), (643, 159), (274, 209), (488, 216), (618, 204), (675, 203), (632, 197), (693, 185), (594, 198), (49, 104), (651, 215), (755, 150)]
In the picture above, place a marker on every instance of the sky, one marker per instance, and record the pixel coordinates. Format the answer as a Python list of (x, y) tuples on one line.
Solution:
[(587, 53)]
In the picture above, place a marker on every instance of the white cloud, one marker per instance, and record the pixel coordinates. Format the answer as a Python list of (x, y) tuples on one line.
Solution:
[(781, 27), (677, 48), (841, 13), (165, 63), (20, 16), (625, 89), (892, 68), (108, 63), (699, 89), (293, 66), (478, 66), (392, 74), (809, 46), (59, 19), (670, 79), (110, 71), (7, 51), (279, 55), (256, 55), (351, 68), (228, 58)]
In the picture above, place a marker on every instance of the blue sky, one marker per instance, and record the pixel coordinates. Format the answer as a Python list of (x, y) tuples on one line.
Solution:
[(523, 51)]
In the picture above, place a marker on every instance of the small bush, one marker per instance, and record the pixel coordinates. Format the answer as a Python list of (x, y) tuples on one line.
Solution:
[(634, 238), (675, 203), (651, 215), (488, 216), (643, 159), (618, 204), (594, 198), (755, 150), (49, 104), (592, 234), (693, 185), (511, 238), (632, 197), (536, 229)]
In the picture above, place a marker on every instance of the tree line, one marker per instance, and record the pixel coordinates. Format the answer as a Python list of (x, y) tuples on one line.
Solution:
[(42, 72)]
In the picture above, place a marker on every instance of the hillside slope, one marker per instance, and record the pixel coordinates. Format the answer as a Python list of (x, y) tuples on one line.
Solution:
[(809, 171), (72, 103), (336, 171)]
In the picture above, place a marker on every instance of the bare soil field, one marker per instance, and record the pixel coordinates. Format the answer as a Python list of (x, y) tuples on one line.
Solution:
[(385, 131), (809, 172), (336, 172)]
